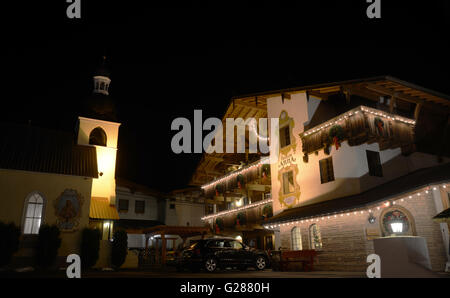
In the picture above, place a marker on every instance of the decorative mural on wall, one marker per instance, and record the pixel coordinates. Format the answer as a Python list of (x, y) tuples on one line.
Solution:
[(68, 208), (289, 193)]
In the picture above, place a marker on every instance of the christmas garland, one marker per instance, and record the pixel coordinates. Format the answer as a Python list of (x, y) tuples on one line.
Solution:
[(267, 212), (219, 189), (218, 227), (265, 171), (336, 135), (379, 124), (240, 181), (395, 216), (241, 219)]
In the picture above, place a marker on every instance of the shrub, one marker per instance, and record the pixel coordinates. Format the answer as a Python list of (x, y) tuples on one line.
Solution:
[(119, 248), (47, 246), (9, 244), (90, 246)]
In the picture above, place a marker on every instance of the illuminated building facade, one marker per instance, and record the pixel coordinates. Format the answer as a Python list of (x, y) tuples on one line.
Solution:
[(358, 160)]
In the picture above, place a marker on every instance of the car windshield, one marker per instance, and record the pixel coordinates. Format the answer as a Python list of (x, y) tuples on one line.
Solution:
[(236, 245)]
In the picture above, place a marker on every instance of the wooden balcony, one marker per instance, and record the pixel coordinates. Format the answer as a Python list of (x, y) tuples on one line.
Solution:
[(362, 125), (237, 183)]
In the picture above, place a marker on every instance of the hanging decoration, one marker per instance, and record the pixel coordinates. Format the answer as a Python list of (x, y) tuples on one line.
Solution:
[(336, 135), (219, 189), (379, 124), (267, 212), (241, 219), (240, 181), (265, 171), (218, 227)]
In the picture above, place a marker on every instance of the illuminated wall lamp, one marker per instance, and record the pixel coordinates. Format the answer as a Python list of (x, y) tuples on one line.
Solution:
[(397, 227)]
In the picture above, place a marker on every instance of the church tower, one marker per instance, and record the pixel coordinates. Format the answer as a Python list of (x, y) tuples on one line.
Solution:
[(98, 126)]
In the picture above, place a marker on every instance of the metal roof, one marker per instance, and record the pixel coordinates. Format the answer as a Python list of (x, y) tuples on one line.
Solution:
[(35, 149)]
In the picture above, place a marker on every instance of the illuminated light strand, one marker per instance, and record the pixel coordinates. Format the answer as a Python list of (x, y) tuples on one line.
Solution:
[(255, 131), (347, 212), (222, 213), (364, 109), (262, 161)]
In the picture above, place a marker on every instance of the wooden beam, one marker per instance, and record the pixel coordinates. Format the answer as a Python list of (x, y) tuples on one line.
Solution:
[(247, 105), (417, 111), (407, 98), (347, 94), (363, 93), (323, 96), (392, 104)]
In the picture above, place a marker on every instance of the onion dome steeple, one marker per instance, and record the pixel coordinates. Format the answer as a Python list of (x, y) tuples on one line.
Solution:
[(101, 79), (99, 105)]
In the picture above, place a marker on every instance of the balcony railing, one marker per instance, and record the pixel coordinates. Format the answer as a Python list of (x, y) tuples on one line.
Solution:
[(238, 210), (362, 125), (258, 172)]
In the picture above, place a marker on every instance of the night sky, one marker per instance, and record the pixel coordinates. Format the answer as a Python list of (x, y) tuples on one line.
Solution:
[(168, 59)]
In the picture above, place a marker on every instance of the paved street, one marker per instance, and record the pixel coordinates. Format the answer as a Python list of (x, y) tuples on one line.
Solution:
[(171, 273), (225, 274)]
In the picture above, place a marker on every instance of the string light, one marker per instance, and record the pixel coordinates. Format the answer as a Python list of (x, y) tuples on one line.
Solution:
[(237, 209), (233, 174), (253, 126), (385, 204), (355, 111)]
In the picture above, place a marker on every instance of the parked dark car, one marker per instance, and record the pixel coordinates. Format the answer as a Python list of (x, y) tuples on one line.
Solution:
[(210, 254)]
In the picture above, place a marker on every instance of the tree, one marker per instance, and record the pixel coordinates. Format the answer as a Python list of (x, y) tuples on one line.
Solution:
[(90, 247), (9, 244), (119, 248), (49, 242)]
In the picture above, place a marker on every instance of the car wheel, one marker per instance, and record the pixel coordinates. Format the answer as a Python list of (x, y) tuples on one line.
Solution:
[(210, 264), (260, 263)]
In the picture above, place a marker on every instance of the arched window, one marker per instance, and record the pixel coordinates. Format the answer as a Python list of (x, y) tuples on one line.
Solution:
[(97, 137), (296, 239), (314, 237), (34, 208)]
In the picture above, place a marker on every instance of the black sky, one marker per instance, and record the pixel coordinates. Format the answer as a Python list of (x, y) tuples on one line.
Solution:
[(168, 59)]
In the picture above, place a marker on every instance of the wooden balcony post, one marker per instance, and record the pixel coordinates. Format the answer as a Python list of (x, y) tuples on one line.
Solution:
[(417, 111), (392, 105), (163, 249)]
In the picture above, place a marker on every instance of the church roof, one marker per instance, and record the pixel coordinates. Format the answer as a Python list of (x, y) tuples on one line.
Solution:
[(35, 149)]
